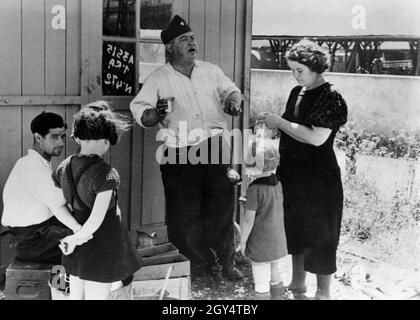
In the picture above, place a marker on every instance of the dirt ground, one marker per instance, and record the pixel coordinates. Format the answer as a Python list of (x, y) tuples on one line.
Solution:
[(214, 287), (347, 284), (358, 277)]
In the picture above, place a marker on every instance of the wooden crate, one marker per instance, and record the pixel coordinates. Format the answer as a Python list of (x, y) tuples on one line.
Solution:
[(162, 249), (156, 267), (150, 278), (177, 288), (27, 281)]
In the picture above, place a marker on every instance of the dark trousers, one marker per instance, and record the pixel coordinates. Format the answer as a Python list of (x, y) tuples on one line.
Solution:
[(39, 243), (199, 212)]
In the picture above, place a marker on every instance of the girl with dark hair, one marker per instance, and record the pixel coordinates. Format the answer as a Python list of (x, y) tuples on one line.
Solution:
[(101, 252), (308, 170)]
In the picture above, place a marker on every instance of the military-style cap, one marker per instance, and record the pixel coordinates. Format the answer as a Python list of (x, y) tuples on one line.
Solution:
[(46, 121), (176, 27)]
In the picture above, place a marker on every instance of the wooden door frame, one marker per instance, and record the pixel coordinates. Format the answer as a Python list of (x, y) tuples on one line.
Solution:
[(92, 40)]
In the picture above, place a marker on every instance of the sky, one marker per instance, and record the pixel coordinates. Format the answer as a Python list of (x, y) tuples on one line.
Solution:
[(336, 17)]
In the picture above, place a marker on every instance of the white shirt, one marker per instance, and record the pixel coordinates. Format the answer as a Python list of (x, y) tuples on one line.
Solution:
[(198, 102), (29, 195)]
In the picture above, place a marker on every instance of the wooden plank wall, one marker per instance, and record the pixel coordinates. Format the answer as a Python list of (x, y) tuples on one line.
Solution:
[(10, 126), (38, 61)]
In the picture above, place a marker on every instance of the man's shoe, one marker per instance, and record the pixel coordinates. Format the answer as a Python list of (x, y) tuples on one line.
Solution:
[(233, 274)]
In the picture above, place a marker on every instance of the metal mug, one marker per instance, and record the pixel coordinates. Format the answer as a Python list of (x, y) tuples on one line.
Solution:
[(170, 102)]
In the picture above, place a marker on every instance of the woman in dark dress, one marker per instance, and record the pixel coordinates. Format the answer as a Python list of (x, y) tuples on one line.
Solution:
[(308, 170)]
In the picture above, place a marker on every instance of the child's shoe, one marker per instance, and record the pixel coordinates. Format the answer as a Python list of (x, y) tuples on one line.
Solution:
[(278, 291), (321, 295), (296, 293), (261, 296)]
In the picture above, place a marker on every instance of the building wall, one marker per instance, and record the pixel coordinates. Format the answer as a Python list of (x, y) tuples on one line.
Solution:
[(40, 67), (378, 103)]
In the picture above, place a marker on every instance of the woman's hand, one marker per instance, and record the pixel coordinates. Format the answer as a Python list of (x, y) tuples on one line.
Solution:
[(271, 120)]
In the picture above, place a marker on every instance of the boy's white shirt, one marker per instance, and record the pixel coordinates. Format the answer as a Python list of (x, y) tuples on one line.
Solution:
[(29, 195)]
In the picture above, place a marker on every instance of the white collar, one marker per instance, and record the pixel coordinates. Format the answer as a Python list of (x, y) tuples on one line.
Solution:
[(36, 154), (251, 178), (171, 67)]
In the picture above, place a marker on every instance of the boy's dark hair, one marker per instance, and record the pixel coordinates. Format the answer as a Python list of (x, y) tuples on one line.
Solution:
[(97, 121), (45, 121), (310, 54)]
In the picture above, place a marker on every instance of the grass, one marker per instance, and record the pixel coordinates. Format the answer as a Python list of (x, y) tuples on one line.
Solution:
[(387, 230)]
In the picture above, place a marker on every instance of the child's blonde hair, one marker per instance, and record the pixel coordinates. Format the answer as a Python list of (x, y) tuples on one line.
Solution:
[(263, 155)]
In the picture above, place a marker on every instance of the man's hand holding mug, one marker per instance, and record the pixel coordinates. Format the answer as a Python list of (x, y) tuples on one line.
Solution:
[(164, 106)]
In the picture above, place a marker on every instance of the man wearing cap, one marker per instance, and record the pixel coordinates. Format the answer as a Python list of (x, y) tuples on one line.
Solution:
[(35, 211), (199, 196)]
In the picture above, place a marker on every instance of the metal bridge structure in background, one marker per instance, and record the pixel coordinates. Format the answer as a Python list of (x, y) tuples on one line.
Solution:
[(356, 54), (362, 36)]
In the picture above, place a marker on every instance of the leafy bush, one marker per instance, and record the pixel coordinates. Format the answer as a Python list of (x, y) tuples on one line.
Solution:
[(398, 145), (362, 209), (366, 215)]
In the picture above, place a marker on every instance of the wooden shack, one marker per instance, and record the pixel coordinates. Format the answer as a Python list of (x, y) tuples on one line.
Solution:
[(58, 55)]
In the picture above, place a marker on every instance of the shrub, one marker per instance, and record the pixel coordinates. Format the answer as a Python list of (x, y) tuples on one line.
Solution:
[(362, 210), (397, 145), (366, 216)]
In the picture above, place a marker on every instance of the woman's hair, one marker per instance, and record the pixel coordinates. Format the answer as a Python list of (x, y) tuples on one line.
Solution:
[(310, 54), (97, 121)]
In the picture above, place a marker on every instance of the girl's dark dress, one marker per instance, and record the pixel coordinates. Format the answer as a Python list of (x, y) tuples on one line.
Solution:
[(109, 256), (313, 193)]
